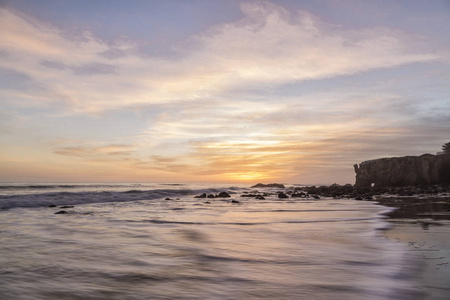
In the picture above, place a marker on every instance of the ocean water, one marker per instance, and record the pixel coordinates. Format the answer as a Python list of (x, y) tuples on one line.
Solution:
[(131, 242)]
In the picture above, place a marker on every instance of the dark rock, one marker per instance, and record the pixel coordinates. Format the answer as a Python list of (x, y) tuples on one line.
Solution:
[(282, 195), (315, 196), (201, 196), (67, 206), (52, 205), (207, 202), (249, 195), (426, 170), (168, 199), (311, 189), (270, 185), (260, 197), (406, 193), (235, 201), (223, 195), (298, 195), (349, 191), (61, 212), (211, 196)]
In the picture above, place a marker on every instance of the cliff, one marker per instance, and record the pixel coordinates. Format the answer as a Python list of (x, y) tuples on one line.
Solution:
[(426, 169)]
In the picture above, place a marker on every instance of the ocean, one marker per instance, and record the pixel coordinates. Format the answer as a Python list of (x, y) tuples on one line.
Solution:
[(157, 241)]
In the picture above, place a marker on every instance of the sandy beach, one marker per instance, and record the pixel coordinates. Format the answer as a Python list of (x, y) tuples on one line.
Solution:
[(423, 224)]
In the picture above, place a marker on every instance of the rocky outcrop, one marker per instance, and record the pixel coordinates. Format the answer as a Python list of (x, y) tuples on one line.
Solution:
[(270, 185), (220, 195), (223, 195), (426, 169), (282, 195)]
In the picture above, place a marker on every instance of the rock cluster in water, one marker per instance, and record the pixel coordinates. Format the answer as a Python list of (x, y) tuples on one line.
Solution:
[(347, 191), (220, 195)]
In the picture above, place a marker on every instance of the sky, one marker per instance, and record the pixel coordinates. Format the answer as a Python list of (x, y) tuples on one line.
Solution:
[(219, 90)]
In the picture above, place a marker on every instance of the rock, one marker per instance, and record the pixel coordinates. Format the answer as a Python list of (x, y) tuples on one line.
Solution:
[(270, 185), (297, 195), (223, 195), (211, 196), (311, 189), (207, 202), (249, 195), (67, 206), (282, 195), (201, 196), (52, 205), (426, 169), (61, 212), (315, 196), (260, 197), (235, 201)]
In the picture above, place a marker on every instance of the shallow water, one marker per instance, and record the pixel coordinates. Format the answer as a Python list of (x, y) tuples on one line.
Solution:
[(428, 241), (187, 249)]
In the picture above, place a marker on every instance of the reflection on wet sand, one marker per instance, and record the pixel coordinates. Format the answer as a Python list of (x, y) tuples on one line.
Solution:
[(423, 223)]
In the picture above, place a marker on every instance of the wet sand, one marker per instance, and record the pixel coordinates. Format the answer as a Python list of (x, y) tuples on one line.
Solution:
[(423, 224)]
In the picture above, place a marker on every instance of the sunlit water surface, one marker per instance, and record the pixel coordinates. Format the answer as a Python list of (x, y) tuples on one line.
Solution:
[(187, 249)]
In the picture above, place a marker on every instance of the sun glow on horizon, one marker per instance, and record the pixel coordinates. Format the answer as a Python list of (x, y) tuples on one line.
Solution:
[(247, 176), (260, 91)]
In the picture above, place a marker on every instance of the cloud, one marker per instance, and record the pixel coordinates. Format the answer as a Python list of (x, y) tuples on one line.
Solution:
[(268, 47), (292, 138), (9, 122), (306, 161), (94, 68), (54, 64), (272, 45), (220, 108), (96, 153)]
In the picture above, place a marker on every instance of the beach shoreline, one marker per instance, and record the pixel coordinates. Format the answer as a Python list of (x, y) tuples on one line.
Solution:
[(420, 221)]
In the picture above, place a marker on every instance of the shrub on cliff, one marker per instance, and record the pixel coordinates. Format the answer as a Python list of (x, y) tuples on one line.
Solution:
[(446, 148)]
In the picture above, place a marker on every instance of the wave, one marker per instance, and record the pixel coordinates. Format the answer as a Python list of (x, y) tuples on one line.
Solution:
[(69, 186), (75, 198), (334, 220)]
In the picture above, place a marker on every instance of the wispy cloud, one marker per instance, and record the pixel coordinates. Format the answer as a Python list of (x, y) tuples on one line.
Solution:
[(268, 46), (97, 152)]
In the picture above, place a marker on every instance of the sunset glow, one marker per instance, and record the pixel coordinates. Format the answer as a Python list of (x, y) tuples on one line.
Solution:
[(219, 91)]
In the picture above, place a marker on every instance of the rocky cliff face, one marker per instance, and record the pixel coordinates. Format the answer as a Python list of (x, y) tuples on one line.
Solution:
[(426, 169)]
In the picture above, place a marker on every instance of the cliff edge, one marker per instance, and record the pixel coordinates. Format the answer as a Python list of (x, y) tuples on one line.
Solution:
[(426, 169)]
